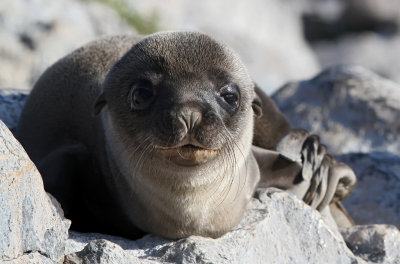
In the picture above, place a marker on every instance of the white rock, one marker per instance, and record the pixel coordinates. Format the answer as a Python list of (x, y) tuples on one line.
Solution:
[(277, 228), (103, 252), (30, 220), (350, 108), (30, 258)]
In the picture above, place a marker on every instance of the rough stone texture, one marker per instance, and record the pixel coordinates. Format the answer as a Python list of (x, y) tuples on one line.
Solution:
[(375, 199), (277, 228), (48, 31), (11, 104), (31, 258), (30, 220), (349, 107), (374, 243), (103, 252), (266, 34)]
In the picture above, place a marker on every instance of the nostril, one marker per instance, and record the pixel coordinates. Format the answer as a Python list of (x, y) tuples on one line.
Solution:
[(190, 118), (195, 119)]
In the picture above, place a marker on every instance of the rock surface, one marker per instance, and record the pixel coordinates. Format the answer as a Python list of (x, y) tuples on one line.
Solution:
[(374, 243), (30, 258), (375, 199), (277, 228), (30, 220), (349, 107), (102, 251)]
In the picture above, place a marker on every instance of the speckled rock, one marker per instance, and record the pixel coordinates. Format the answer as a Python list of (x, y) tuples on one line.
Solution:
[(30, 220), (30, 258), (102, 251)]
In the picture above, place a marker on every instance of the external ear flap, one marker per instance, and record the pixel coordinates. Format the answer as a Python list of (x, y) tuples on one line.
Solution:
[(100, 103), (257, 105), (271, 126)]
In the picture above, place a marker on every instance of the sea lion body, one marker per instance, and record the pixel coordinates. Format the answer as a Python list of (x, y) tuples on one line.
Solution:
[(58, 130), (58, 116), (155, 134)]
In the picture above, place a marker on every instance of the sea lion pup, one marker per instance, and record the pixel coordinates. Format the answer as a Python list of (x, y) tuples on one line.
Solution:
[(155, 134)]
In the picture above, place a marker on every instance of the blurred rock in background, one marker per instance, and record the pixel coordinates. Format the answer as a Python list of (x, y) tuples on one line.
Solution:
[(267, 34), (36, 33), (364, 32), (279, 40)]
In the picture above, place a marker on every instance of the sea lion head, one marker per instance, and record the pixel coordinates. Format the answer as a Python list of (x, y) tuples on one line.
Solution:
[(179, 98)]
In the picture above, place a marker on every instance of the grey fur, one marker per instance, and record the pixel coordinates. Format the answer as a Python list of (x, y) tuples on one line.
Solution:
[(182, 164)]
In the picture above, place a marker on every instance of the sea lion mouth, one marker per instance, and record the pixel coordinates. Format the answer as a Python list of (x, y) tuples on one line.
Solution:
[(188, 154), (192, 147)]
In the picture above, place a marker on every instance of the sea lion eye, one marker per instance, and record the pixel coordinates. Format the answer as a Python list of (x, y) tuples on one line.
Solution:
[(230, 94), (141, 95), (231, 99)]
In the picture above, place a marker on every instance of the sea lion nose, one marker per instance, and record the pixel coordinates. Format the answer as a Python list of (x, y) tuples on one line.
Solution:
[(189, 118)]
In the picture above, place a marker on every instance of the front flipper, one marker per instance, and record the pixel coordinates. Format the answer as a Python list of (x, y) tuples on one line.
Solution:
[(302, 166), (324, 179)]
